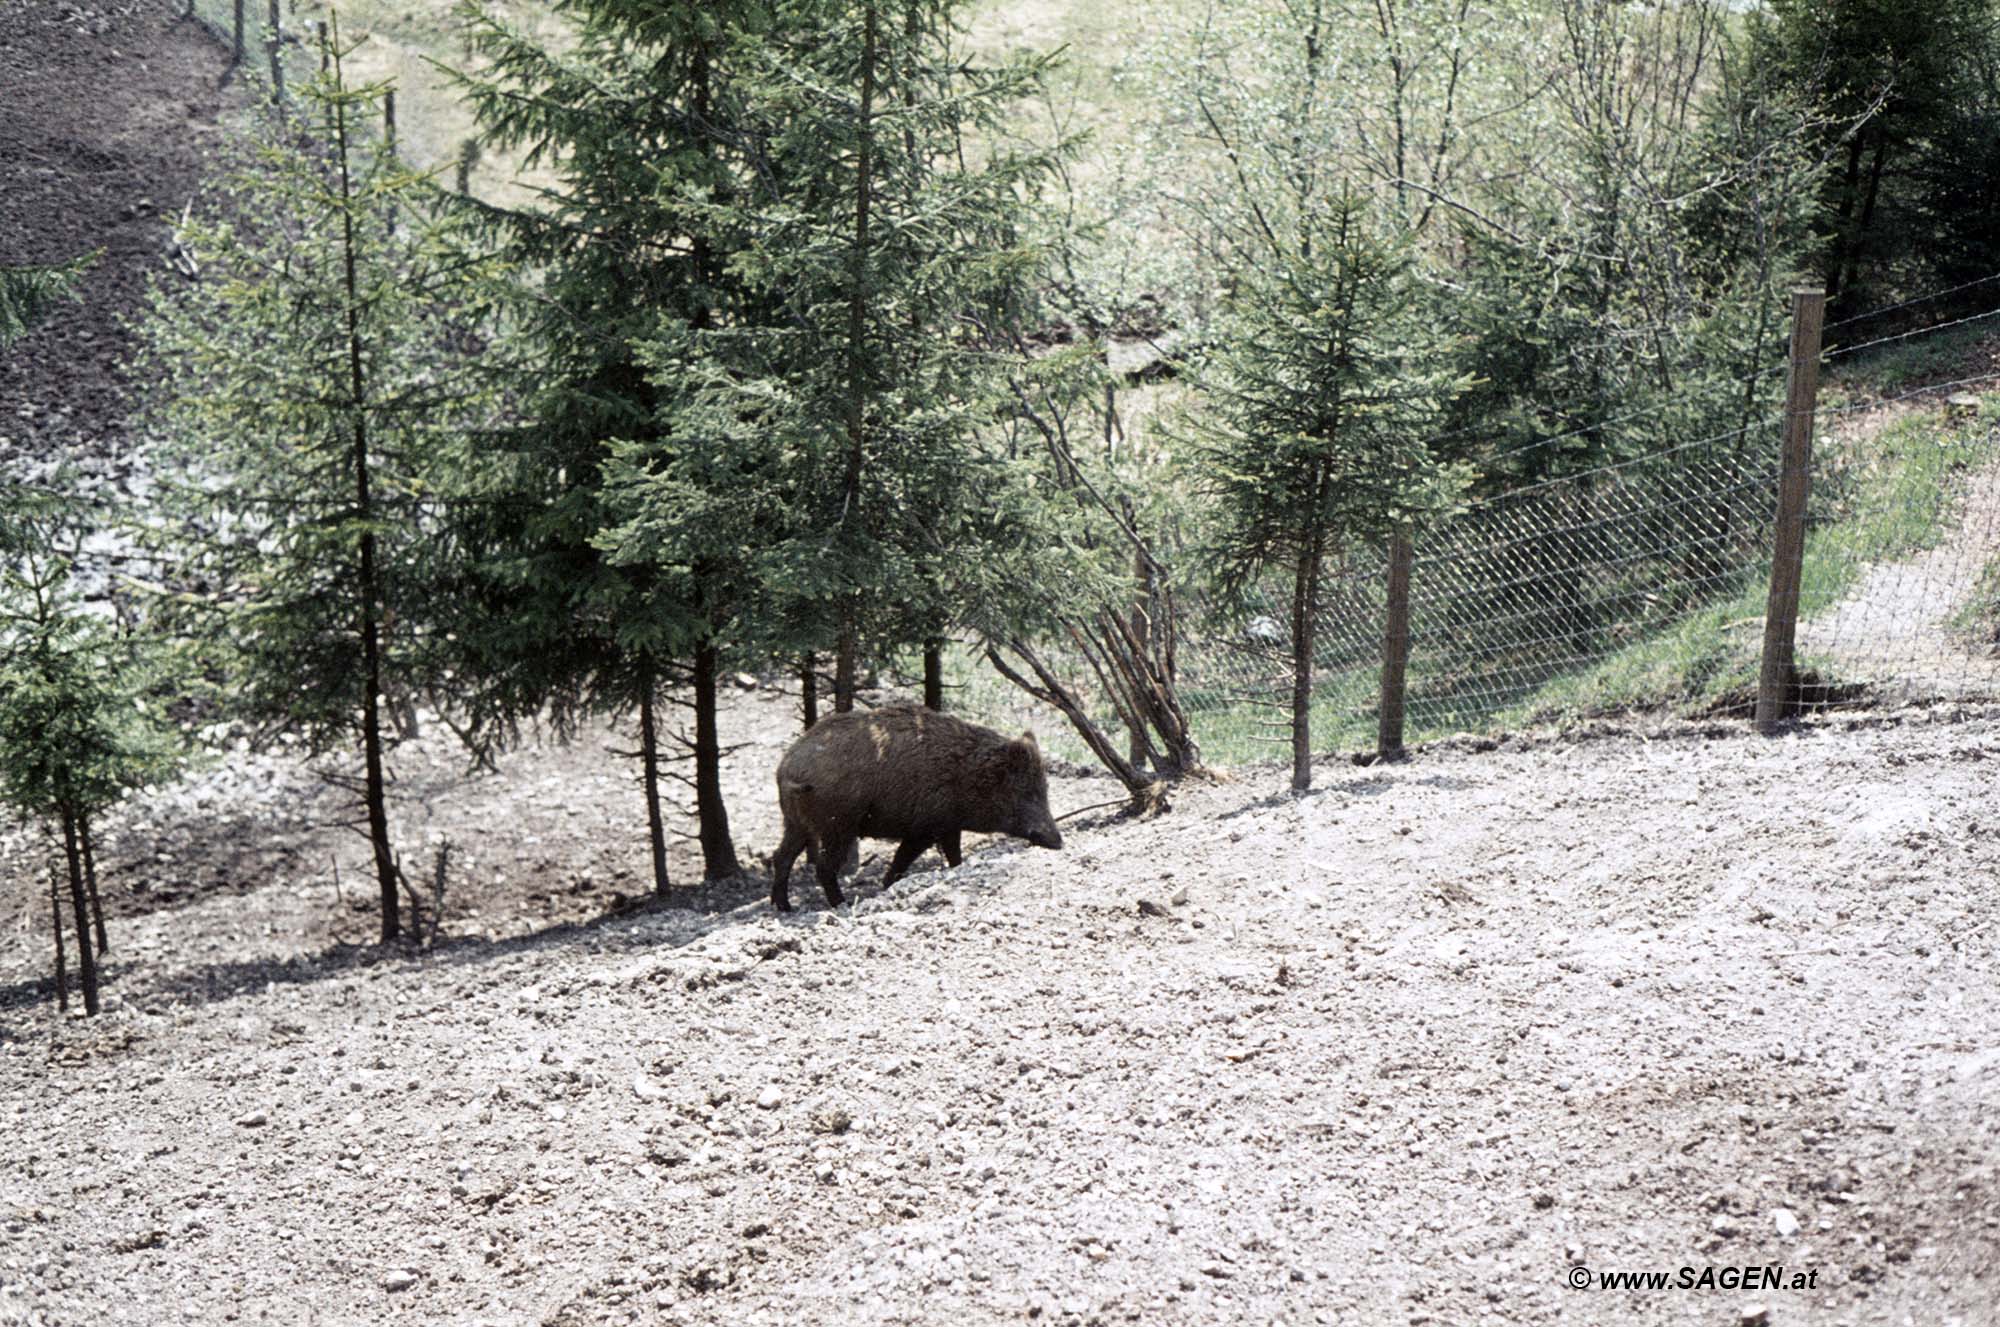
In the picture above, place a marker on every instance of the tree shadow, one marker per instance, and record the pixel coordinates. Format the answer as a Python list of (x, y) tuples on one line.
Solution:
[(684, 918)]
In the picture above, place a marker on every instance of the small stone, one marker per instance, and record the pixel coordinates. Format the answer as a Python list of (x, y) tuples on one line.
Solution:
[(770, 1099), (1755, 1315), (832, 1120), (1544, 1201), (1786, 1222), (1148, 908), (402, 1279), (256, 1119), (1178, 898)]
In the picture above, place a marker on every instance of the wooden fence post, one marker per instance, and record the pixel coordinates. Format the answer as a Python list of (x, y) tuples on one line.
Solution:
[(1395, 649), (1777, 680)]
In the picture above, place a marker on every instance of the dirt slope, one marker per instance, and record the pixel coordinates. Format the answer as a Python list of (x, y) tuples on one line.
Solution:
[(108, 111), (1410, 1048)]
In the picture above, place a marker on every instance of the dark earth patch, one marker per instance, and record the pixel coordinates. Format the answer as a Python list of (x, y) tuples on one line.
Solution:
[(108, 115)]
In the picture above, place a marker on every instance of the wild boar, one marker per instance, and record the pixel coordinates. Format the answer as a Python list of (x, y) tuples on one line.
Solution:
[(907, 773)]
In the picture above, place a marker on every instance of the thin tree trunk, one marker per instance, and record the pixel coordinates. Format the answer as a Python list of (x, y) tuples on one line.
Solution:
[(55, 909), (809, 690), (857, 295), (1836, 259), (90, 879), (718, 853), (1305, 587), (1048, 689), (81, 908), (1867, 219), (375, 784), (934, 674), (843, 672), (649, 777)]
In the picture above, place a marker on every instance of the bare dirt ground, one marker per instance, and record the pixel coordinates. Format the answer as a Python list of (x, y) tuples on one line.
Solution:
[(1405, 1051), (109, 111)]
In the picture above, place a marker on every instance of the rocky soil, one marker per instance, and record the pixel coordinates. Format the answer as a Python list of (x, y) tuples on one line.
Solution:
[(1405, 1050)]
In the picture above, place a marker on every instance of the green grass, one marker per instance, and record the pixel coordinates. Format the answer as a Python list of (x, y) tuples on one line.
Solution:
[(1978, 620), (1903, 365)]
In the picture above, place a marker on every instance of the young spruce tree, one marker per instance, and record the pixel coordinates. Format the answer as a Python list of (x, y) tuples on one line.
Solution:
[(1331, 385), (885, 243), (639, 117), (80, 726), (317, 385)]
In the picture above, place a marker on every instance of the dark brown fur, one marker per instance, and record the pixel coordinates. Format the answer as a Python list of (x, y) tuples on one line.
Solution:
[(907, 773)]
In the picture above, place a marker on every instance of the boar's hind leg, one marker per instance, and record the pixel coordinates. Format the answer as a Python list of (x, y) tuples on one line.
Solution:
[(948, 845), (832, 852), (906, 852), (781, 866)]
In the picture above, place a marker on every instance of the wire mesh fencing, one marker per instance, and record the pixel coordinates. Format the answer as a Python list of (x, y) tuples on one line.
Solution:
[(1901, 598), (1641, 586)]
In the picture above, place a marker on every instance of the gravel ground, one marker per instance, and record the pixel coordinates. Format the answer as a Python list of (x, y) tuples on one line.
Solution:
[(1401, 1051)]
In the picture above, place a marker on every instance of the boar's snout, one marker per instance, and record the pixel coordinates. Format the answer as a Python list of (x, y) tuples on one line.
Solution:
[(1044, 834)]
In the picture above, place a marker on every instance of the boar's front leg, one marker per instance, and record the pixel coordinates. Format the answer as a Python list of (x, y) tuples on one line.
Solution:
[(948, 845), (906, 852)]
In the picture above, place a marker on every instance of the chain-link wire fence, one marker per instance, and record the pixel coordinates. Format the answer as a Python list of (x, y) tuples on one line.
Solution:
[(1641, 586)]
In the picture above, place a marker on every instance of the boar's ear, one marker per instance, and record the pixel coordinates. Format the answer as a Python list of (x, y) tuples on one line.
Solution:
[(1028, 740)]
